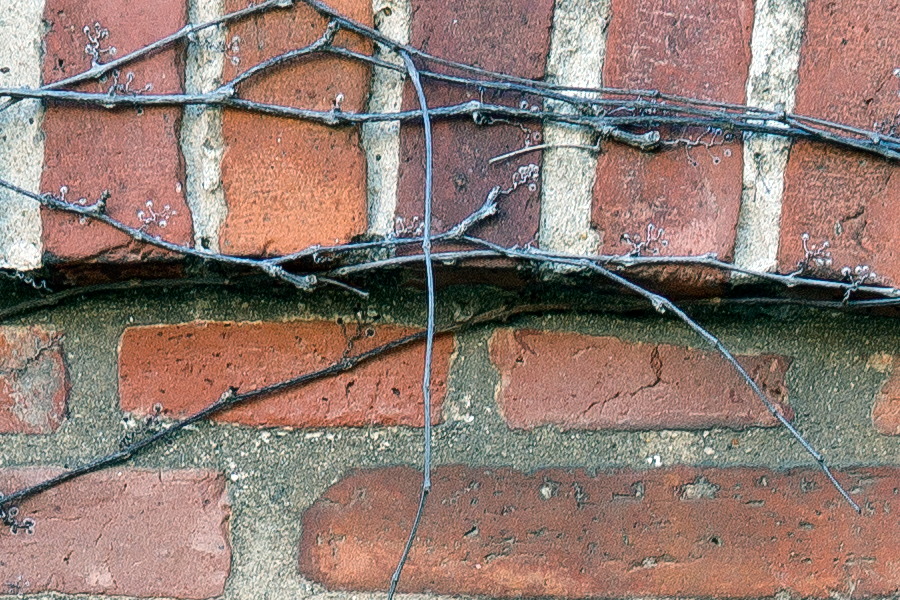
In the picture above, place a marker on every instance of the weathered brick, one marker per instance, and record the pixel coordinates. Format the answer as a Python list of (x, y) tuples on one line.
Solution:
[(132, 153), (886, 410), (290, 184), (699, 49), (121, 532), (608, 383), (34, 383), (185, 367), (847, 74), (488, 34), (736, 533)]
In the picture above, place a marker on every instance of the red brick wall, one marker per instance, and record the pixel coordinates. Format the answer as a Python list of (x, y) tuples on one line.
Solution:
[(578, 456)]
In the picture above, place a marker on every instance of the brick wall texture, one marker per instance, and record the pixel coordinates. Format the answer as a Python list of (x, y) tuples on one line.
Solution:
[(576, 456)]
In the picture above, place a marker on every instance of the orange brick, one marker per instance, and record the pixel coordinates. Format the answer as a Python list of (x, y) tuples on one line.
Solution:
[(679, 532), (608, 383), (290, 184), (184, 367)]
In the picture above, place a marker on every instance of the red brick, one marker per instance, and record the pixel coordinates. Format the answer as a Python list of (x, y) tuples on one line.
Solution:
[(134, 154), (699, 49), (124, 532), (185, 367), (608, 383), (736, 533), (290, 184), (847, 74), (886, 410), (487, 34), (34, 384)]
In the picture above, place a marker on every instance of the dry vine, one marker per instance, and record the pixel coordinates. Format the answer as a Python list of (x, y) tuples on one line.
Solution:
[(644, 119)]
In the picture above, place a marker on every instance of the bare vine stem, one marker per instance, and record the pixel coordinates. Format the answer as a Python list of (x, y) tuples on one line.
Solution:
[(429, 331), (662, 305), (100, 70), (647, 108), (232, 397), (643, 109)]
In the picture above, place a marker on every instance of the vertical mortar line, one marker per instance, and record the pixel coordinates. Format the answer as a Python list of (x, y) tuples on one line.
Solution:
[(202, 143), (771, 83), (577, 52), (22, 142), (381, 141)]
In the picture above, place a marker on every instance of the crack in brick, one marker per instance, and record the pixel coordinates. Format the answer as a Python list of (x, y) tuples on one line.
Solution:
[(30, 361), (655, 366)]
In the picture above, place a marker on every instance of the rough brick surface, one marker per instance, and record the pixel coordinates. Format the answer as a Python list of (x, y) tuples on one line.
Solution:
[(886, 410), (120, 532), (34, 383), (290, 184), (134, 154), (487, 34), (185, 367), (741, 533), (699, 49), (608, 383), (847, 74)]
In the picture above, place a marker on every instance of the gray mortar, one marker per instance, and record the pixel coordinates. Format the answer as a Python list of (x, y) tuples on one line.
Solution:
[(772, 83), (381, 141), (577, 52), (202, 143), (21, 139), (275, 474)]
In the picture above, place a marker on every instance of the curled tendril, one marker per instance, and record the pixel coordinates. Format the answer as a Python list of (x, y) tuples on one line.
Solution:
[(27, 279), (94, 48), (814, 255), (652, 243), (150, 216), (8, 515)]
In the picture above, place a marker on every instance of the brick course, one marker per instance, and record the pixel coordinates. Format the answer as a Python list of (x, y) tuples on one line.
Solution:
[(121, 532), (184, 367), (608, 383), (737, 533)]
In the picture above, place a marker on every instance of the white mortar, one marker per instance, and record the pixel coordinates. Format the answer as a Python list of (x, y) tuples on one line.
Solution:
[(381, 141), (21, 140), (202, 142), (577, 52), (772, 84)]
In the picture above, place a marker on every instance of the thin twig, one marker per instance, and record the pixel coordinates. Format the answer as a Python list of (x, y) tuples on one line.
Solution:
[(98, 71), (608, 127), (61, 296), (541, 88), (429, 331), (323, 42), (231, 398), (662, 304)]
